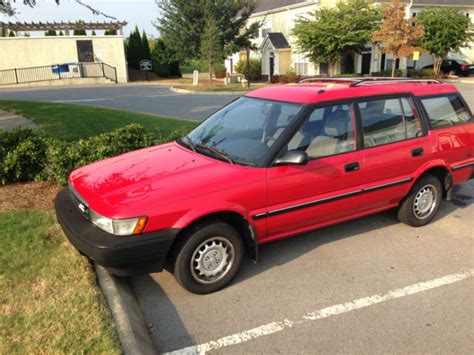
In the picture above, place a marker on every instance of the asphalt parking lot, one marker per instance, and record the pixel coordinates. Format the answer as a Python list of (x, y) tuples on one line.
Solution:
[(370, 285), (154, 99)]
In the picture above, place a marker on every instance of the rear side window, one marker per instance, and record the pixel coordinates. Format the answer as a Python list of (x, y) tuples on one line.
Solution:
[(445, 111), (388, 121)]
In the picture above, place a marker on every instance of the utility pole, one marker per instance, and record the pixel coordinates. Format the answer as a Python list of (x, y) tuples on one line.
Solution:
[(248, 67)]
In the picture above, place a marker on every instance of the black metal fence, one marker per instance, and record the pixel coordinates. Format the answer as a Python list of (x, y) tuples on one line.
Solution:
[(58, 72)]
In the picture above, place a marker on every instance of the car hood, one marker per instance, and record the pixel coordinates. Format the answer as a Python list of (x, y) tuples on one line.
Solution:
[(130, 184)]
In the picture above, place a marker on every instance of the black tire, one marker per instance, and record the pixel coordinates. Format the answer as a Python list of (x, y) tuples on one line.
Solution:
[(216, 241), (416, 211)]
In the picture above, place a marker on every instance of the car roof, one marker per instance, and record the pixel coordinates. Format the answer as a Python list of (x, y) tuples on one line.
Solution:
[(333, 90)]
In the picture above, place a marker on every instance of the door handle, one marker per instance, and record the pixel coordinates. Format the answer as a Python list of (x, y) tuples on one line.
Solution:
[(418, 152), (352, 167)]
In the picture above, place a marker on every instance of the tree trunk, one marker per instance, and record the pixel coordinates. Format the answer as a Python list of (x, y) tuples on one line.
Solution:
[(210, 70), (394, 64), (437, 65)]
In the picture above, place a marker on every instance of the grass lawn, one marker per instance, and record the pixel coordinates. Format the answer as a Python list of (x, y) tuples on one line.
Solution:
[(49, 300), (71, 122)]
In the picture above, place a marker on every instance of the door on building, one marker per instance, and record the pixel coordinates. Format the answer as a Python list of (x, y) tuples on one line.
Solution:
[(382, 62), (366, 59), (272, 66), (85, 52), (323, 68)]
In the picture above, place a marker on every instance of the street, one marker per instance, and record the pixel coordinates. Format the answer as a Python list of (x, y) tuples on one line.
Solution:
[(154, 99)]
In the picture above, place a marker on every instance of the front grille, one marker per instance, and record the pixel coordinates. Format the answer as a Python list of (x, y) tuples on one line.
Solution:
[(81, 204)]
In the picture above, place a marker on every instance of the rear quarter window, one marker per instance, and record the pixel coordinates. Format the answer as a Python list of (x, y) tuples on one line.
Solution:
[(446, 111)]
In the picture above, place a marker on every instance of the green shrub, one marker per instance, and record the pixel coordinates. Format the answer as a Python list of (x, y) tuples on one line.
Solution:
[(27, 155), (23, 156), (421, 73), (62, 158), (255, 68)]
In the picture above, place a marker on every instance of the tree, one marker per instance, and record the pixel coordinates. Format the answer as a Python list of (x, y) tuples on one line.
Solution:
[(183, 22), (163, 63), (7, 8), (93, 33), (145, 47), (446, 30), (50, 33), (134, 49), (399, 36), (331, 33), (211, 47), (79, 32), (110, 33), (61, 33)]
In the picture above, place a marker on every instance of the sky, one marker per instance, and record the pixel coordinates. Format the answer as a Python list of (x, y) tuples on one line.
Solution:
[(137, 12)]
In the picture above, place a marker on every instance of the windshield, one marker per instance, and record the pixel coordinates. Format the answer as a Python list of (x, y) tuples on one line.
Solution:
[(461, 61), (243, 131)]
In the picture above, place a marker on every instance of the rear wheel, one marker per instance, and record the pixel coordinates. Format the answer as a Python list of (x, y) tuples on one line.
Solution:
[(422, 203), (209, 258)]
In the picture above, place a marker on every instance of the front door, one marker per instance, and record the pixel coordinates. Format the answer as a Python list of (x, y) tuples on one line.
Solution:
[(366, 59), (327, 188), (272, 67)]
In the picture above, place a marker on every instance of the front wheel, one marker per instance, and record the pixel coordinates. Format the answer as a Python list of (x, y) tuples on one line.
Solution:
[(422, 203), (210, 257)]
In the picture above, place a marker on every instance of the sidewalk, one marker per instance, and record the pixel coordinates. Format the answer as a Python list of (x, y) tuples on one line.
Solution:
[(9, 121)]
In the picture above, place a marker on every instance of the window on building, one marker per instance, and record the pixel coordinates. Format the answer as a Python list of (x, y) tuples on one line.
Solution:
[(301, 68), (85, 51), (447, 110)]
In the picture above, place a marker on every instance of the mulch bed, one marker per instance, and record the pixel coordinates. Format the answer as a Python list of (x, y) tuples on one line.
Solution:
[(32, 195)]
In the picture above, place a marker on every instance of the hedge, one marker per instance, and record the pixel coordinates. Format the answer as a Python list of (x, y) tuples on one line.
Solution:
[(30, 155)]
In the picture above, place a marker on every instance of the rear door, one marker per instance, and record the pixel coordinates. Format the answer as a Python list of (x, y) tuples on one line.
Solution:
[(395, 145), (452, 126), (327, 188)]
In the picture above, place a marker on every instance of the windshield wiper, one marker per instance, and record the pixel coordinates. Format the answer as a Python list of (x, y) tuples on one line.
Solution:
[(216, 152), (189, 142)]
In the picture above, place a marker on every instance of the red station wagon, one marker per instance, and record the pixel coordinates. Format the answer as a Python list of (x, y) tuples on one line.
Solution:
[(277, 162)]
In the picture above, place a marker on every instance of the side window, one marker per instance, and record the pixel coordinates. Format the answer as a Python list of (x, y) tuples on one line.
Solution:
[(445, 111), (327, 131), (383, 121)]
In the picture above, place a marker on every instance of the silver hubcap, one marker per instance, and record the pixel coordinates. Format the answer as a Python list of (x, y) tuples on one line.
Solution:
[(425, 202), (212, 260)]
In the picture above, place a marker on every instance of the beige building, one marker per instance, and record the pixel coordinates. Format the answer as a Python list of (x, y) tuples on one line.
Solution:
[(279, 55), (40, 59)]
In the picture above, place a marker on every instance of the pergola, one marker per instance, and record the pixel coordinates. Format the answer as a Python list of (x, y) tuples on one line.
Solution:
[(62, 26)]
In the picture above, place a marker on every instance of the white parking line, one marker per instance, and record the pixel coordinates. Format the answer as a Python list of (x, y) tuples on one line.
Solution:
[(275, 327), (83, 100)]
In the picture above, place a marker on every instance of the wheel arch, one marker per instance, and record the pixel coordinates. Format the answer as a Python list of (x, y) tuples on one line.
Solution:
[(235, 219), (444, 175)]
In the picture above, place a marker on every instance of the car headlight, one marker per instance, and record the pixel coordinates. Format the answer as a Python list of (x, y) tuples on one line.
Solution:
[(118, 226)]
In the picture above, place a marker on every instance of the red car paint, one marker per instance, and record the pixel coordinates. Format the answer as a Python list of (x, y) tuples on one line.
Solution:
[(175, 186)]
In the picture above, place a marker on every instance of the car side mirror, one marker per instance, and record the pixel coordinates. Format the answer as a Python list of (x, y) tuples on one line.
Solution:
[(292, 157)]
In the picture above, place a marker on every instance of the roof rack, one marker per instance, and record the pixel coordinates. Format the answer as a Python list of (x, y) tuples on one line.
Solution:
[(362, 81), (378, 80)]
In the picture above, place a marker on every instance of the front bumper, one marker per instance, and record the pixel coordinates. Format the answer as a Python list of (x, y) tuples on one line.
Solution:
[(124, 256)]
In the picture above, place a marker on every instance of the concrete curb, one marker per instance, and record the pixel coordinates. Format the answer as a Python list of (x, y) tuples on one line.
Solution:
[(218, 93), (129, 322)]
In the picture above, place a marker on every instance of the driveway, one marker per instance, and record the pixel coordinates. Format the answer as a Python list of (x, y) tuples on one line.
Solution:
[(154, 99), (371, 285)]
